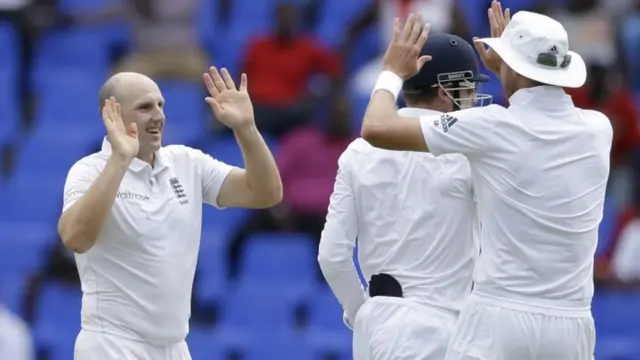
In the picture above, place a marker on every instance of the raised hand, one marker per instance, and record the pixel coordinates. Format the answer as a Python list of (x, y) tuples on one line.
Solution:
[(231, 106), (123, 140), (402, 56), (498, 20)]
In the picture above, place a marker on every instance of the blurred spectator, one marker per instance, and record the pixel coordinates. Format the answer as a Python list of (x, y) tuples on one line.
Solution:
[(15, 337), (619, 266), (630, 37), (280, 66), (445, 16), (591, 31), (606, 91), (165, 44), (60, 266), (308, 162), (29, 18)]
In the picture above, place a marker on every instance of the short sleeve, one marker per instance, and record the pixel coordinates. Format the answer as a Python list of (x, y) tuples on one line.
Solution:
[(469, 131), (213, 174), (79, 179)]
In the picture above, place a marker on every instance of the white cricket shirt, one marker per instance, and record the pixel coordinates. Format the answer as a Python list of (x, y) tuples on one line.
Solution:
[(137, 278), (540, 170), (413, 215)]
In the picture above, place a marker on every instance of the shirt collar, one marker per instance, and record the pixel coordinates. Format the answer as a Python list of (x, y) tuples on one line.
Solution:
[(417, 112), (137, 165), (544, 97)]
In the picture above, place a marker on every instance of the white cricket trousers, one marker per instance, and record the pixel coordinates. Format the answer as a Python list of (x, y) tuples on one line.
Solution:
[(493, 328), (388, 328), (91, 345)]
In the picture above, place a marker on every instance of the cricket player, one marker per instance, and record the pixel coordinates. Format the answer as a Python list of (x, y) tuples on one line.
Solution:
[(133, 211), (414, 217), (539, 169)]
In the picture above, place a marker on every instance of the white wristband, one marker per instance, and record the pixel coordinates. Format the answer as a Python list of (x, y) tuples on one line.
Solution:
[(390, 82)]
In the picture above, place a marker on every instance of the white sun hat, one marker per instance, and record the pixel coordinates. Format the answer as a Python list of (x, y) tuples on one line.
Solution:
[(537, 47)]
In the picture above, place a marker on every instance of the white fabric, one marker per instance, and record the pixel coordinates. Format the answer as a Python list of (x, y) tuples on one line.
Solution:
[(413, 215), (540, 170), (491, 329), (625, 264), (390, 82), (438, 13), (529, 34), (100, 346), (16, 342), (399, 329), (137, 278)]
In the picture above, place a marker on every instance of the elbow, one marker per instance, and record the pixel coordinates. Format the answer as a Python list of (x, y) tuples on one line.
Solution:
[(269, 198), (329, 257), (73, 237), (373, 134)]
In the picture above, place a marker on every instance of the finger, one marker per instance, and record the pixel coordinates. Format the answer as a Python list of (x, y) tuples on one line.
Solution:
[(499, 14), (493, 25), (408, 27), (507, 16), (423, 60), (217, 80), (243, 82), (228, 81), (424, 36), (416, 31), (110, 110), (396, 30), (105, 117), (208, 82), (133, 130)]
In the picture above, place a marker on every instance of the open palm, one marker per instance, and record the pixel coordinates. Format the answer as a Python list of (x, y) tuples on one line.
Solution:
[(124, 140), (231, 105)]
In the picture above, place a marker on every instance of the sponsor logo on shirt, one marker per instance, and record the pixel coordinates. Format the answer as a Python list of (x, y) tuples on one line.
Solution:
[(121, 194), (447, 121), (178, 190)]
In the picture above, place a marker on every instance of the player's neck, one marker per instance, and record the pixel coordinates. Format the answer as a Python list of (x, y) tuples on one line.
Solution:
[(148, 158)]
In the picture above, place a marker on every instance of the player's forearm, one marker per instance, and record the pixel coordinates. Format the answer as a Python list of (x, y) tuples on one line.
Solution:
[(262, 172), (339, 270), (380, 113), (80, 225)]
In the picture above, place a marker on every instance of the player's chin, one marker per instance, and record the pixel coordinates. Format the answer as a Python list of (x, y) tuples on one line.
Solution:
[(153, 142)]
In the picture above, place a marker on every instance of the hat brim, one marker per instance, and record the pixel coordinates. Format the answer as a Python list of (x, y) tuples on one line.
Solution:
[(573, 76)]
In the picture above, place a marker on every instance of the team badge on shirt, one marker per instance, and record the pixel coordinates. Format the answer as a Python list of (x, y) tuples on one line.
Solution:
[(445, 122), (178, 190)]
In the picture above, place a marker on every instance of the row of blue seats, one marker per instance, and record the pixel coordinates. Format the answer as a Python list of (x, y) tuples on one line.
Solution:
[(252, 313)]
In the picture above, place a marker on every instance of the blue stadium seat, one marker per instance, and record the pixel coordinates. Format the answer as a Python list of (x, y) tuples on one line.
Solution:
[(278, 346), (12, 289), (325, 311), (86, 6), (616, 313), (279, 259), (32, 201), (58, 319), (184, 112), (213, 345), (9, 59), (212, 266), (225, 149), (9, 106), (81, 49), (617, 348), (24, 245), (227, 220), (336, 18), (333, 344), (256, 308)]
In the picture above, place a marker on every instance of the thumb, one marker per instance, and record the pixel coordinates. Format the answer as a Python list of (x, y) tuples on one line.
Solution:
[(480, 48), (215, 106), (133, 130), (423, 60)]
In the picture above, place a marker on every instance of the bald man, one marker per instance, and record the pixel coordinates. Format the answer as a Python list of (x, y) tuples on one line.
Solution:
[(132, 214)]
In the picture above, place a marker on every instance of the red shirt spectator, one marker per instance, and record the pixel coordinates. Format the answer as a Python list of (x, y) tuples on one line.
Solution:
[(620, 107), (278, 69)]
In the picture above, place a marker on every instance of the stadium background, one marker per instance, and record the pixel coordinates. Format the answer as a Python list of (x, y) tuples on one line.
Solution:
[(257, 293)]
